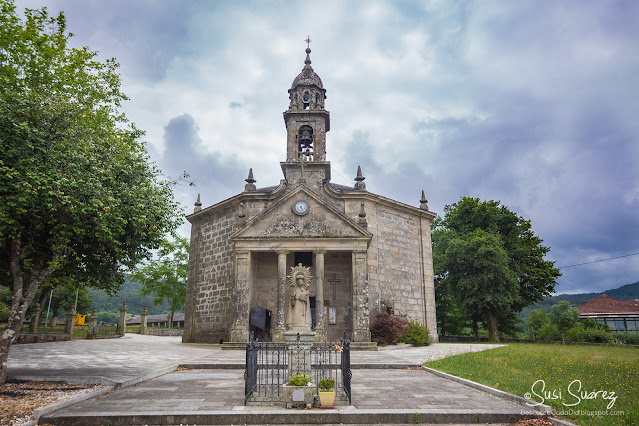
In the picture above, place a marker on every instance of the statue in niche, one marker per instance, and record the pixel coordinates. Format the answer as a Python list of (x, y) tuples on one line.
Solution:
[(300, 308)]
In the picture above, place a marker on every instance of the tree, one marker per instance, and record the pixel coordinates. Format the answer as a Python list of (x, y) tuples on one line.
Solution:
[(64, 298), (564, 317), (491, 260), (78, 196), (536, 319), (166, 274)]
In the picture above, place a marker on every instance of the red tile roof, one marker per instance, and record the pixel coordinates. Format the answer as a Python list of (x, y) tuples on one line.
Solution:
[(607, 304)]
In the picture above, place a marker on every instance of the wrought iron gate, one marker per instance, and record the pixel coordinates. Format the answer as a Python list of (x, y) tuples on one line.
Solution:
[(267, 368)]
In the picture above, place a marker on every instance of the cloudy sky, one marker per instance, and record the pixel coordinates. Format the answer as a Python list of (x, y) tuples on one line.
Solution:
[(533, 103)]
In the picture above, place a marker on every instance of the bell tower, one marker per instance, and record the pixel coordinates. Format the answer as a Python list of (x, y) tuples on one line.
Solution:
[(307, 122)]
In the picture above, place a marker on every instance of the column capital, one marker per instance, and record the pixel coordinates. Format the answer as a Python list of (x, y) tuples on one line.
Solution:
[(320, 251), (282, 252)]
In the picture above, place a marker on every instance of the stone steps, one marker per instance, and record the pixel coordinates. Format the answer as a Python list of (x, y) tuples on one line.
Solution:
[(355, 346), (251, 415)]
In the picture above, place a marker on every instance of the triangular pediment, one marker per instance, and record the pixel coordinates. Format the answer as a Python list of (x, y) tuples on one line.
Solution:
[(322, 220)]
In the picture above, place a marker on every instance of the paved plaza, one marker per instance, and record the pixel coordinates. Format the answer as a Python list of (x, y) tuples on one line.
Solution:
[(150, 391)]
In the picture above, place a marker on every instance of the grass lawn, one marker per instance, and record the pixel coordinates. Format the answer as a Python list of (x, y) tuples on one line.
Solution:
[(556, 369)]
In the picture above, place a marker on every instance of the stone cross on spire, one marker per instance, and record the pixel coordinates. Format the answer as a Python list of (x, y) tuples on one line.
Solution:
[(308, 41)]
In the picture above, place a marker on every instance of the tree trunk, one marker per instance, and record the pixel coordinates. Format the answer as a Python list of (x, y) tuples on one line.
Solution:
[(9, 335), (475, 330), (23, 291), (491, 323)]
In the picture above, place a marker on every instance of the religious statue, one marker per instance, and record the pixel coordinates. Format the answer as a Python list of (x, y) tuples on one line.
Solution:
[(300, 309)]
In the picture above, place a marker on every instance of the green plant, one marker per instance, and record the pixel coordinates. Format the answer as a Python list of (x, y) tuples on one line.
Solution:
[(548, 331), (326, 384), (417, 334), (416, 417), (579, 333), (627, 338), (299, 380), (386, 329)]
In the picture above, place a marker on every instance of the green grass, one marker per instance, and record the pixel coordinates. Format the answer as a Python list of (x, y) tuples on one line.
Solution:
[(516, 367)]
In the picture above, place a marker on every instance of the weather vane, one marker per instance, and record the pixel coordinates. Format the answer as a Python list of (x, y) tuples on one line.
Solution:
[(308, 42)]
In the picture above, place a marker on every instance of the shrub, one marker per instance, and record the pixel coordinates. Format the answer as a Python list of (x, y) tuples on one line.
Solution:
[(5, 311), (627, 338), (416, 334), (300, 380), (548, 332), (326, 384), (591, 323), (386, 329), (579, 333)]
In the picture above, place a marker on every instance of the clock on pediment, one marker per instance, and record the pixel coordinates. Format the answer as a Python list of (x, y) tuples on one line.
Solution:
[(300, 208)]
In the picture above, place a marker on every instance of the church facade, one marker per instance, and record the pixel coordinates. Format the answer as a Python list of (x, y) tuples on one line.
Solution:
[(366, 252)]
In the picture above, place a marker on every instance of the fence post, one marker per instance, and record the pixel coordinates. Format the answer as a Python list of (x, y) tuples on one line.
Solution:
[(92, 324), (69, 325), (35, 318), (143, 321), (122, 323)]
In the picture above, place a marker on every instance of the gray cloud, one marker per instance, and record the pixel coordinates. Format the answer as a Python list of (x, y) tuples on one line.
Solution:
[(533, 106)]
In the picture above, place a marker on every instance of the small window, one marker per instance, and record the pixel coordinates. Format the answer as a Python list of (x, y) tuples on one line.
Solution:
[(304, 257), (620, 325)]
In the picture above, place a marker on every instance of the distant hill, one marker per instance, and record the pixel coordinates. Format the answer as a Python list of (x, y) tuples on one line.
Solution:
[(626, 292), (129, 292)]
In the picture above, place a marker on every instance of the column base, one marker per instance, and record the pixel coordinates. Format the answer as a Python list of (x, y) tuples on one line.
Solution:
[(278, 335), (320, 335), (239, 334), (361, 335)]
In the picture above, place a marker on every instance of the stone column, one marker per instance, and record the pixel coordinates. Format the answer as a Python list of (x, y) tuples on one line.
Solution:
[(92, 323), (143, 323), (361, 332), (320, 322), (35, 318), (239, 331), (69, 325), (278, 333), (122, 323), (53, 321)]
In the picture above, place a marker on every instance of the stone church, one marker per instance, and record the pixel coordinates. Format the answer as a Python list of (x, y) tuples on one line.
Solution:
[(366, 252)]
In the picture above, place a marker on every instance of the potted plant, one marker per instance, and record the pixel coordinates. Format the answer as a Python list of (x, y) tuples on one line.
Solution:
[(298, 391), (326, 392)]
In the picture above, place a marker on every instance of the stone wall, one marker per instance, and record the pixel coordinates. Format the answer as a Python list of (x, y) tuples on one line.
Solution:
[(397, 262), (151, 331), (23, 338), (211, 279)]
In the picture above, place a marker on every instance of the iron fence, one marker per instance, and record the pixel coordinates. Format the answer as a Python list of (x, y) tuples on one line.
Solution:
[(268, 366)]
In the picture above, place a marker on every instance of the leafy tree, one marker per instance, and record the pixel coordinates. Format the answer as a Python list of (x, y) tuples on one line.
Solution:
[(564, 317), (64, 299), (78, 196), (166, 274), (451, 320), (536, 319), (491, 260)]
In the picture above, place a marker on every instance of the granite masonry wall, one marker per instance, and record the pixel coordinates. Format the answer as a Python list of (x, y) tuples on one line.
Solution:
[(211, 279)]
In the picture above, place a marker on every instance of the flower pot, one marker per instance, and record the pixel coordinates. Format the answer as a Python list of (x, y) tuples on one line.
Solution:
[(298, 396), (327, 398)]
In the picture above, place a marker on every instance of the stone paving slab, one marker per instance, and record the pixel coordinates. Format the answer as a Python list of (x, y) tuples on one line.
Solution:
[(216, 397), (151, 392), (134, 356), (101, 361)]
